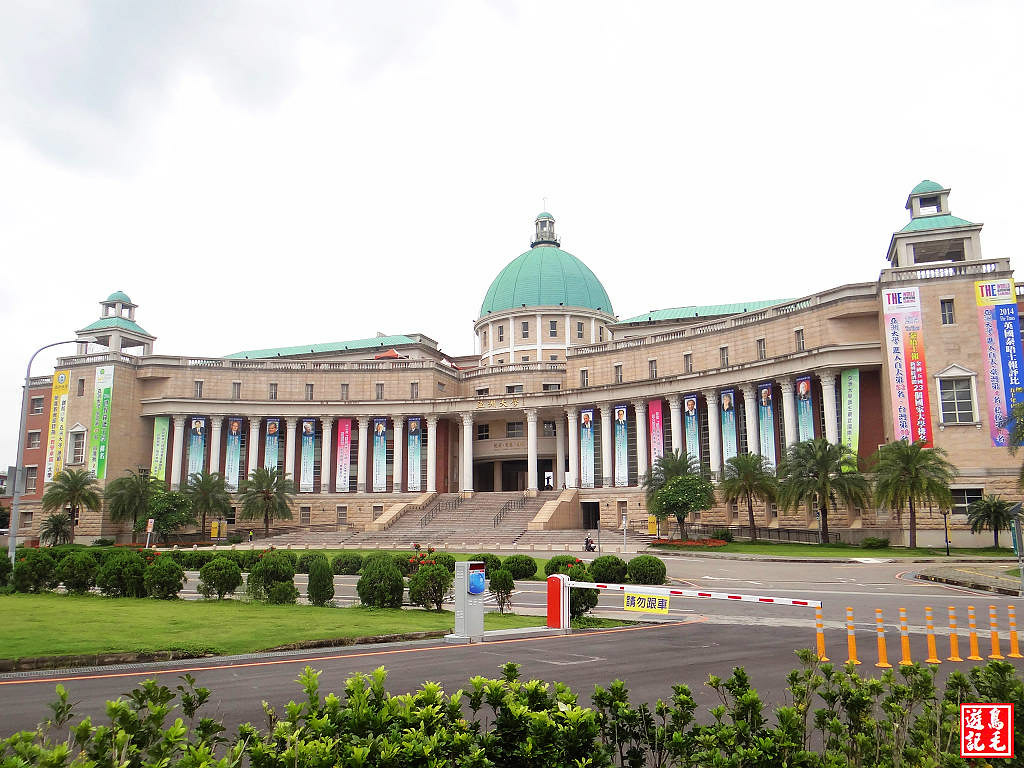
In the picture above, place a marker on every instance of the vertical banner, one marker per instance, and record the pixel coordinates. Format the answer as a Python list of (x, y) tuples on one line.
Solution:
[(849, 392), (804, 409), (308, 445), (656, 430), (908, 375), (380, 455), (691, 427), (999, 324), (343, 466), (100, 431), (766, 422), (414, 443), (197, 445), (728, 401), (161, 435), (621, 446), (233, 453), (587, 448), (58, 424), (271, 444)]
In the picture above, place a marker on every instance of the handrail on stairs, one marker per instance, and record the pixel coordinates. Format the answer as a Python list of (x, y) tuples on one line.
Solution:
[(443, 505)]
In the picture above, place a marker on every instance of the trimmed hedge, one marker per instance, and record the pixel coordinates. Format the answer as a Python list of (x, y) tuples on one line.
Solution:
[(520, 566), (272, 568), (282, 593), (122, 575), (608, 568), (491, 562), (559, 564), (34, 571), (163, 579), (381, 585), (347, 563), (221, 576), (306, 561), (77, 572), (321, 582), (646, 569), (429, 585), (443, 558)]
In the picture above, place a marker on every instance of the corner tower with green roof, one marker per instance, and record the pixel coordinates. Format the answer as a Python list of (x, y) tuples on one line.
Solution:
[(933, 234), (543, 302), (116, 328)]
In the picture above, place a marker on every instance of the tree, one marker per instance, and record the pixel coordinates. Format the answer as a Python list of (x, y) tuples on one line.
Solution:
[(128, 497), (171, 511), (748, 476), (209, 496), (819, 472), (72, 489), (267, 494), (666, 467), (57, 529), (680, 496), (992, 512), (910, 473)]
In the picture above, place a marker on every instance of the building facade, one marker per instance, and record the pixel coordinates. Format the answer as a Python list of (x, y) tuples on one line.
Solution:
[(562, 394)]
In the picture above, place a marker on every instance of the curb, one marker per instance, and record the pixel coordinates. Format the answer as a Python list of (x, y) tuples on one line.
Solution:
[(969, 584), (825, 559)]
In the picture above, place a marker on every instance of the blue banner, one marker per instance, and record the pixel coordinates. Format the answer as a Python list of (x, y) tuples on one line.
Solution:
[(271, 443), (197, 445), (766, 422), (415, 443), (621, 446), (380, 455), (587, 448), (691, 427), (233, 453), (804, 409), (308, 450), (728, 400)]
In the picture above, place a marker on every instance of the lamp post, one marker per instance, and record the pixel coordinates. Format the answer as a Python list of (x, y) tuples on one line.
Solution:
[(945, 528), (19, 489)]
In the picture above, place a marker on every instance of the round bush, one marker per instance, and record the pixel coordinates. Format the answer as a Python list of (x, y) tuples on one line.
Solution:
[(163, 579), (608, 568), (491, 562), (34, 571), (381, 585), (581, 600), (520, 566), (282, 593), (378, 556), (646, 569), (404, 563), (347, 563), (292, 557), (271, 568), (321, 582), (78, 572), (5, 570), (306, 560), (559, 564), (122, 575), (220, 577), (429, 585), (443, 558), (194, 560), (502, 585)]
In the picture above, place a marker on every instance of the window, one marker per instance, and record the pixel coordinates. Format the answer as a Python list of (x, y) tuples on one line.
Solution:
[(554, 358), (309, 391), (798, 335), (344, 391), (553, 329), (304, 515), (36, 405), (26, 519), (946, 307), (513, 429), (379, 390), (236, 390), (584, 378), (77, 448), (414, 390), (964, 497), (600, 333), (652, 369), (762, 349), (551, 386), (514, 389), (378, 510), (481, 391), (549, 429), (618, 373), (31, 475), (526, 329), (773, 511), (272, 395), (525, 359), (688, 363), (440, 386), (501, 333), (198, 389), (33, 439), (723, 357), (579, 330), (501, 361), (483, 431), (81, 387), (957, 405), (229, 518), (341, 513)]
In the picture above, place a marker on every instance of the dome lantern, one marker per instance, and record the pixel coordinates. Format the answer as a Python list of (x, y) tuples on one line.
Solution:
[(545, 231)]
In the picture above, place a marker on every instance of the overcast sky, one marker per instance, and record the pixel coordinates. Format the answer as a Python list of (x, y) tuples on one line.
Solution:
[(256, 174)]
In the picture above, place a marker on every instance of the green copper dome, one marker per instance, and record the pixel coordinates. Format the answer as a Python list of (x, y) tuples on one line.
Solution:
[(925, 187), (546, 276), (119, 296), (544, 215)]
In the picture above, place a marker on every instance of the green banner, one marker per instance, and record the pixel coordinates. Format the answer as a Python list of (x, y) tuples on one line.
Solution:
[(850, 394), (99, 434), (161, 432)]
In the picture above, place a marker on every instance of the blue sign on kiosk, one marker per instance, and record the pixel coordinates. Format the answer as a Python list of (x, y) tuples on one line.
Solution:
[(475, 582)]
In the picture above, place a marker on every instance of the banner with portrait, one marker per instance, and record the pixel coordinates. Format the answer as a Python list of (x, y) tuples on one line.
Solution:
[(99, 434), (656, 429), (908, 374), (272, 444), (58, 424), (196, 444), (308, 447), (161, 437), (621, 446), (999, 324), (804, 409), (343, 466), (849, 394), (766, 422), (691, 427), (587, 448), (415, 447), (233, 453), (727, 399), (380, 455)]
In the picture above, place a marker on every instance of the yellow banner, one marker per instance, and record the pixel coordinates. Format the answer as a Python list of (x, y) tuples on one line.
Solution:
[(214, 529), (991, 293), (645, 603), (58, 422)]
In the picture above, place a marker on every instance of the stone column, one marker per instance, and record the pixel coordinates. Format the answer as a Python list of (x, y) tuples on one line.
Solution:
[(540, 339), (363, 425), (568, 337), (641, 439), (572, 476), (828, 404), (750, 410), (714, 432), (607, 441), (179, 450), (432, 454), (675, 407), (788, 411), (467, 452), (496, 475), (289, 448), (531, 449), (216, 423), (490, 343), (397, 470), (560, 452), (326, 428), (254, 442)]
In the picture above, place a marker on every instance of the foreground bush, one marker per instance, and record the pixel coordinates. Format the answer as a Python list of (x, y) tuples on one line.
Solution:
[(282, 593), (122, 575), (581, 601), (347, 563), (520, 566), (559, 564), (501, 586), (219, 577), (429, 585), (272, 568), (163, 579), (873, 542), (34, 571), (491, 562), (77, 572), (608, 569), (443, 558), (646, 569), (306, 561), (5, 570), (381, 585), (321, 582)]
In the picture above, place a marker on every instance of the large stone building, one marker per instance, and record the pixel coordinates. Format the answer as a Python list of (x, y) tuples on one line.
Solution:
[(564, 394)]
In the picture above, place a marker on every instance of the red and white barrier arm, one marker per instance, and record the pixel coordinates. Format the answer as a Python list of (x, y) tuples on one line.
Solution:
[(666, 592)]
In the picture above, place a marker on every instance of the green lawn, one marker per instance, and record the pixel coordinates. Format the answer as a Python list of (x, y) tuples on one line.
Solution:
[(50, 625), (782, 549)]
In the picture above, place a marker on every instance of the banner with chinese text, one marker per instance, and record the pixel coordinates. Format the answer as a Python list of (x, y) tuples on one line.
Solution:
[(587, 448), (308, 446), (728, 405), (656, 429), (380, 455), (271, 444), (99, 434), (58, 424), (621, 446), (343, 467), (415, 444), (161, 436), (999, 324), (804, 409), (232, 453), (908, 375), (849, 393), (691, 427), (196, 444), (766, 422)]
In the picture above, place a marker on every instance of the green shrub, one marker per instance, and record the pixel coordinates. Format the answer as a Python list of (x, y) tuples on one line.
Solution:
[(347, 563), (871, 542), (404, 563), (235, 538), (520, 566), (102, 543), (378, 556), (221, 576), (443, 558), (288, 554), (163, 579), (502, 585), (5, 570), (646, 569), (122, 575), (246, 558), (194, 560), (723, 534), (491, 562), (34, 571), (608, 569), (306, 560), (59, 551), (429, 585), (282, 593), (78, 572), (581, 601), (271, 568), (321, 582), (559, 564), (381, 585)]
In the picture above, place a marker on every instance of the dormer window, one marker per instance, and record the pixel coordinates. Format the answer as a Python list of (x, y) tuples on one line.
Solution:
[(930, 206)]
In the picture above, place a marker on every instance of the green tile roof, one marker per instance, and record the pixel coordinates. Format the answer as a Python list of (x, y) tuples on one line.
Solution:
[(119, 296), (377, 342), (923, 223), (705, 310), (116, 322), (926, 186), (544, 215)]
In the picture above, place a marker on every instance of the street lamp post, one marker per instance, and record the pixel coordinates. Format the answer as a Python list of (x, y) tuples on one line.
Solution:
[(945, 527), (19, 489)]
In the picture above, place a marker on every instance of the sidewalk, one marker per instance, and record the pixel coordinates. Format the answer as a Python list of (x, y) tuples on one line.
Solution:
[(989, 577)]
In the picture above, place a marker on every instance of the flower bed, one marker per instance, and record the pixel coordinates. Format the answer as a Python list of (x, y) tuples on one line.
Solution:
[(704, 543)]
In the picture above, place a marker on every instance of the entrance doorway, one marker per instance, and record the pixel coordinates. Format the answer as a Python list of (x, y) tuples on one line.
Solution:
[(513, 475), (591, 514)]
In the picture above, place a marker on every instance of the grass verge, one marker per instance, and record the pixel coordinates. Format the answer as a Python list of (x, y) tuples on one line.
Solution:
[(595, 622), (784, 549)]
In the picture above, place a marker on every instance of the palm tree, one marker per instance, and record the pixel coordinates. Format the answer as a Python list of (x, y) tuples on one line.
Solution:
[(990, 512), (748, 476), (816, 472), (666, 467), (128, 497), (72, 489), (58, 528), (910, 473), (267, 493), (208, 495)]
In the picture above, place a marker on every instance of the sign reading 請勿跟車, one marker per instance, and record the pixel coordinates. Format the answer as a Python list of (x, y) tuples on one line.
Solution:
[(645, 603)]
